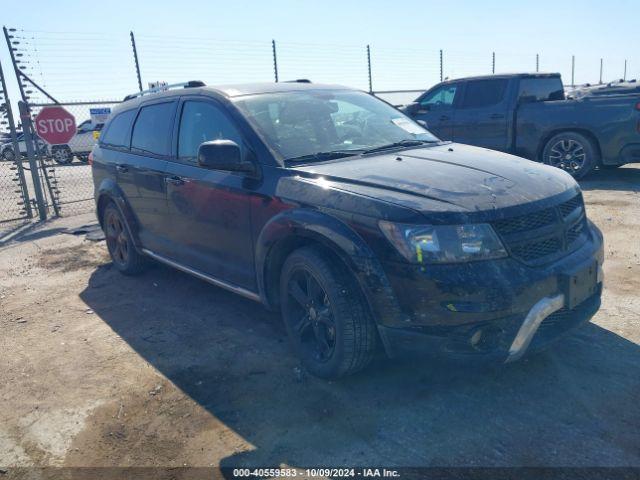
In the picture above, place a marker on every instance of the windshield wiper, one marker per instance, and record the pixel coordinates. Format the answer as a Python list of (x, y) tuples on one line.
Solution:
[(401, 143), (321, 156)]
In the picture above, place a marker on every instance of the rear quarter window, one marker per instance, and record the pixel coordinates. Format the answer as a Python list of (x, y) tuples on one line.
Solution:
[(541, 89), (117, 132)]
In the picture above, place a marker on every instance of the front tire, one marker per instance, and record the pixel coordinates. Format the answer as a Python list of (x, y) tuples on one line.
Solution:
[(325, 314), (8, 155), (572, 152), (123, 252)]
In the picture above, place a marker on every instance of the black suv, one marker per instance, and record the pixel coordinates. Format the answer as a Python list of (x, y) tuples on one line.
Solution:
[(354, 221)]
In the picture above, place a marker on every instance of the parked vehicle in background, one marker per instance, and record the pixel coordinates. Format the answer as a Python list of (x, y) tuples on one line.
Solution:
[(528, 115), (350, 218), (79, 146), (619, 87), (7, 151)]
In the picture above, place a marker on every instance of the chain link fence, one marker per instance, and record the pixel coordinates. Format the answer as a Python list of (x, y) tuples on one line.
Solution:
[(15, 207), (67, 175), (85, 71)]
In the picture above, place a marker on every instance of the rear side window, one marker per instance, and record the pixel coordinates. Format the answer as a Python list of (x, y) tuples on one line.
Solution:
[(484, 93), (541, 89), (152, 130), (201, 122), (117, 135)]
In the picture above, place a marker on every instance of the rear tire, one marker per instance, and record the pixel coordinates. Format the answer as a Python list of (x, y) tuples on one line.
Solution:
[(572, 152), (325, 314), (62, 155), (121, 248)]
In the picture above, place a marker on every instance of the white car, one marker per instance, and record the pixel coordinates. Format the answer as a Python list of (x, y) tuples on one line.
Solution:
[(7, 152), (79, 146)]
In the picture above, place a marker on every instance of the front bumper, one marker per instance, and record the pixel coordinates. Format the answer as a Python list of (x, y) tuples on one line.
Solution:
[(500, 344), (495, 310)]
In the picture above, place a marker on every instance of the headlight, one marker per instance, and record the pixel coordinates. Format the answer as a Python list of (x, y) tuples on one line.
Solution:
[(444, 243)]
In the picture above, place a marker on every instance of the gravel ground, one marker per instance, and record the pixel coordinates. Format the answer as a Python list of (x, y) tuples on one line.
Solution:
[(98, 369)]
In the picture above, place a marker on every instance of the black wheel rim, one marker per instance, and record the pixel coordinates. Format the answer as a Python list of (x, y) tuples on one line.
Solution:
[(567, 154), (117, 240), (310, 316)]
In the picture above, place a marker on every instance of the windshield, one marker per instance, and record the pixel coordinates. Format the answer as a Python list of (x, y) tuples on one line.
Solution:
[(302, 124)]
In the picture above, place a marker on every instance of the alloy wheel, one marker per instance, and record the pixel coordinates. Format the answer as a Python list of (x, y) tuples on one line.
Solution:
[(567, 154), (117, 240), (62, 156), (310, 315), (8, 155)]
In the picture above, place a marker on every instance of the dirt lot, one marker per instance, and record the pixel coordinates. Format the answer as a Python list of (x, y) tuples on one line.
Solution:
[(97, 369)]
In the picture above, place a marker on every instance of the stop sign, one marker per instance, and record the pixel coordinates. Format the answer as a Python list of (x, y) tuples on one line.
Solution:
[(55, 125)]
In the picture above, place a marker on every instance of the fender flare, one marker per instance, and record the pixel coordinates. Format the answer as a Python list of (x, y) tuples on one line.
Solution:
[(110, 190), (323, 228), (549, 133)]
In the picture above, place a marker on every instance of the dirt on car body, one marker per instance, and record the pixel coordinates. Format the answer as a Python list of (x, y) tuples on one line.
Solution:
[(165, 370)]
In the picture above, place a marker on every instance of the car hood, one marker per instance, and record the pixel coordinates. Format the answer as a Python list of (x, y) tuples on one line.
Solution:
[(454, 176)]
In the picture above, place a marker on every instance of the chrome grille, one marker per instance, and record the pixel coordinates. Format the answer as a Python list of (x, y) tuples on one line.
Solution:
[(546, 234)]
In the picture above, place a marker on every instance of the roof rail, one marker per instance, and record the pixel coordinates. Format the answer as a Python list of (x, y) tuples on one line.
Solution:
[(298, 80), (189, 84)]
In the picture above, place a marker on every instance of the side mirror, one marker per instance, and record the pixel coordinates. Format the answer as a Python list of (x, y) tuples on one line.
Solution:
[(412, 108), (223, 155)]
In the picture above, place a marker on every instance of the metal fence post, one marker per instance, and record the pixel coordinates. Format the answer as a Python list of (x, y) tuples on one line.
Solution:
[(275, 60), (573, 70), (537, 62), (441, 67), (135, 59), (16, 147), (25, 117), (601, 71), (624, 77), (369, 68), (493, 62)]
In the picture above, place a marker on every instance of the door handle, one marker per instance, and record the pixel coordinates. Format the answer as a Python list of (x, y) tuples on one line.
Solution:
[(174, 180), (443, 118), (496, 116), (122, 168)]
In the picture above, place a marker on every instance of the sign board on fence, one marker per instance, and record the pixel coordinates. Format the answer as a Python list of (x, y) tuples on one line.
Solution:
[(55, 125), (99, 115)]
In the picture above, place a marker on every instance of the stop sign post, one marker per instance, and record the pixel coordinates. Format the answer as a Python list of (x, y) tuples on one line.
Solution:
[(55, 125)]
